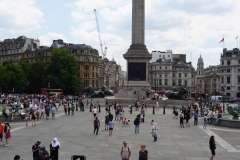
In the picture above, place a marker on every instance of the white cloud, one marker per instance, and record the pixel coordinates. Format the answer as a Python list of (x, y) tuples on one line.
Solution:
[(47, 39), (19, 16)]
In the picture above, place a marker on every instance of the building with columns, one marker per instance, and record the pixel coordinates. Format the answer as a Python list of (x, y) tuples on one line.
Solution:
[(165, 75), (229, 72), (207, 80)]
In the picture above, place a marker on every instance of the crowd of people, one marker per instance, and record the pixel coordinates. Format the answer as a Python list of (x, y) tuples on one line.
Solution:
[(35, 108)]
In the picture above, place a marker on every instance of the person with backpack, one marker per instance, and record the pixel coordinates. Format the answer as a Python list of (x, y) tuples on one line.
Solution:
[(110, 116), (143, 153), (125, 151), (137, 123), (96, 125)]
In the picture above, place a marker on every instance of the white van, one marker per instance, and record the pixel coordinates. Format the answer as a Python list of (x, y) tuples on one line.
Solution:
[(216, 98)]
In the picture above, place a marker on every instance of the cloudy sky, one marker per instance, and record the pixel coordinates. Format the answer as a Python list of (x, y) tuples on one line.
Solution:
[(184, 26)]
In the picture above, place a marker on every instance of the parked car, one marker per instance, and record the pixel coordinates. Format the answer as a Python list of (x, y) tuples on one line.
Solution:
[(98, 94)]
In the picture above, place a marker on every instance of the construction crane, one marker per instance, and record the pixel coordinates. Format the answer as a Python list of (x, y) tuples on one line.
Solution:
[(99, 35)]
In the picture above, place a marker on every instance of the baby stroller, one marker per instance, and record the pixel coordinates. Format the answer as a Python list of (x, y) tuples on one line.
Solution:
[(43, 154)]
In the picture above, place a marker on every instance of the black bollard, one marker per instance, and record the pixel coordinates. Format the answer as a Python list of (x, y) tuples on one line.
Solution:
[(109, 108), (173, 109), (90, 108), (164, 110), (131, 110), (153, 110), (99, 108)]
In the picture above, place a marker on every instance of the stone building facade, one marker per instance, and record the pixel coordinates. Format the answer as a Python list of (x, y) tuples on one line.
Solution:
[(229, 71), (13, 48), (165, 75), (87, 58)]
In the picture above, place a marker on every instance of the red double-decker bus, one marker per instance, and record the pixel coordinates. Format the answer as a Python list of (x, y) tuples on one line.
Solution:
[(51, 92)]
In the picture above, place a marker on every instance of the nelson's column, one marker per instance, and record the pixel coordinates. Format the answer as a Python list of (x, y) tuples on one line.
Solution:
[(137, 55)]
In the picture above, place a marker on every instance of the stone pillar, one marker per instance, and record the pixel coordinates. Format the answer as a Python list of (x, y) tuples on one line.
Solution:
[(138, 22)]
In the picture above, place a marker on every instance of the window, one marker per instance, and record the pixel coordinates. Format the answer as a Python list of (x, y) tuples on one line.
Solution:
[(192, 75), (179, 75), (179, 82), (238, 79), (173, 83), (228, 79), (238, 61), (238, 70), (222, 79), (214, 80), (228, 62), (228, 88), (86, 68), (169, 56), (165, 74), (78, 51), (185, 83), (222, 70), (173, 75), (228, 70), (160, 67), (165, 67), (92, 68), (200, 81), (92, 75), (222, 62), (160, 82), (166, 82), (185, 74), (93, 83), (163, 56), (159, 55), (155, 67)]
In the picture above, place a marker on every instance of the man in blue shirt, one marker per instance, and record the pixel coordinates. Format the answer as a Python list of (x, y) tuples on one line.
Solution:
[(195, 117), (219, 116)]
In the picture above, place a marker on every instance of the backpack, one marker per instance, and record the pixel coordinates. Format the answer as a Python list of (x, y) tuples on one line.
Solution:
[(135, 121), (143, 155), (128, 149)]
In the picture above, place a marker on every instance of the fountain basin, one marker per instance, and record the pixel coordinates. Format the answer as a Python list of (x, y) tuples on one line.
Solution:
[(227, 121)]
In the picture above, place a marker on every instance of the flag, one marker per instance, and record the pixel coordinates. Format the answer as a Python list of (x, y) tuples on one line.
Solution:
[(236, 38), (221, 41)]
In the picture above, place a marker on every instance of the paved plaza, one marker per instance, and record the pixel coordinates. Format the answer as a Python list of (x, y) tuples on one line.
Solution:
[(75, 133)]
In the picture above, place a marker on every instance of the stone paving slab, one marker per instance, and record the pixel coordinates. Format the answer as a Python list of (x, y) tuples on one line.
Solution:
[(75, 133)]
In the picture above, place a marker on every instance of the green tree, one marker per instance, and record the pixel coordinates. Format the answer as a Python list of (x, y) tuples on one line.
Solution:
[(4, 78), (62, 71), (36, 74), (16, 76)]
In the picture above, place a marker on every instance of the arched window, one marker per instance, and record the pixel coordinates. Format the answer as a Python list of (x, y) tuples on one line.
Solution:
[(86, 60)]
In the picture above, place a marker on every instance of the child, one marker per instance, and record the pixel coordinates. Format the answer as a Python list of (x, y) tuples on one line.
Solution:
[(181, 120), (111, 125), (125, 122), (121, 114), (205, 122)]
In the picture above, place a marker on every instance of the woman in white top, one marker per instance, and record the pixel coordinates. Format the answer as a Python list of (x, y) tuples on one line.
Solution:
[(94, 111), (13, 112)]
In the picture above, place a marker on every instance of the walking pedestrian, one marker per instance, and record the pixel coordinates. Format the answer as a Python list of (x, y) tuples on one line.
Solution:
[(17, 157), (47, 111), (96, 125), (53, 112), (125, 151), (110, 116), (137, 123), (34, 118), (73, 108), (196, 117), (111, 126), (7, 133), (65, 109), (154, 132), (42, 113), (205, 122), (181, 120), (1, 132), (219, 116), (175, 114), (54, 147), (143, 153), (13, 113), (157, 106), (106, 121), (35, 150), (38, 112), (94, 111), (212, 146), (27, 117), (68, 108)]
